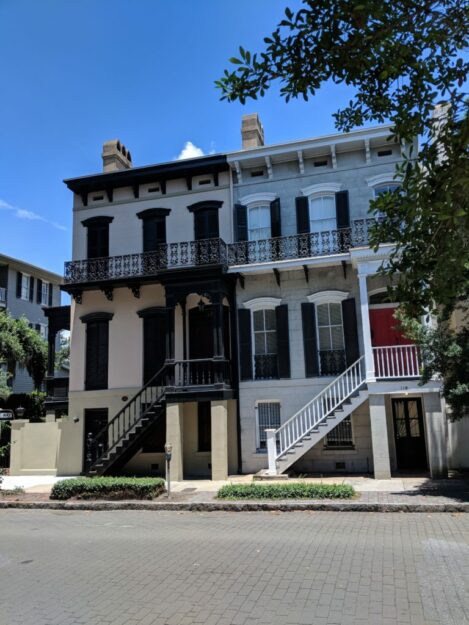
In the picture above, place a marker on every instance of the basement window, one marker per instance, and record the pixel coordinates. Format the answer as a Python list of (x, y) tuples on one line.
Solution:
[(321, 163), (341, 436), (257, 173), (267, 417), (384, 152)]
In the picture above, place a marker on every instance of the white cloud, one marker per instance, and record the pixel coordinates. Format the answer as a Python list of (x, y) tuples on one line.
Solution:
[(21, 213), (189, 151)]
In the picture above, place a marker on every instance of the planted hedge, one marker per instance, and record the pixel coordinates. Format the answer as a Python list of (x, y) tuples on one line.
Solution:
[(108, 488), (286, 491)]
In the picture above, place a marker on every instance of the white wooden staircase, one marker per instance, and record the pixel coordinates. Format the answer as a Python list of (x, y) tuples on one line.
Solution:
[(318, 417)]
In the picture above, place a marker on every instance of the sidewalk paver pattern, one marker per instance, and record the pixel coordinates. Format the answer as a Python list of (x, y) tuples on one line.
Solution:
[(167, 568)]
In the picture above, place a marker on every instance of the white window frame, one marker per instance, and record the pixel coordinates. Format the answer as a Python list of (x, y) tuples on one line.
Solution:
[(314, 191), (43, 330), (25, 285), (254, 305), (45, 285), (327, 297), (249, 209), (254, 200), (260, 449)]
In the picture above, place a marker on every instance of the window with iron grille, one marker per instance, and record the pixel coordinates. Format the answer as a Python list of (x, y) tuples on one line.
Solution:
[(341, 435), (268, 417)]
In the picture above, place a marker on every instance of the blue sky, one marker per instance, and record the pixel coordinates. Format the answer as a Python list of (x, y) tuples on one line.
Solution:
[(76, 73)]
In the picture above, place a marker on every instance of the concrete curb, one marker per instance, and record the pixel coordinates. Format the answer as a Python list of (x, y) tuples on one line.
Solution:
[(237, 506)]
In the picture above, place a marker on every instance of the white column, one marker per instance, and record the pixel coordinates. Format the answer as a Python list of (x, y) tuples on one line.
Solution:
[(219, 420), (379, 437), (174, 433), (271, 451), (366, 329), (436, 435)]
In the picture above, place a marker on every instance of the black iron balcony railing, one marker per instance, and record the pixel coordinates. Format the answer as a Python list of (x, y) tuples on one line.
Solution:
[(332, 362), (199, 372), (265, 367), (300, 245), (166, 256), (209, 252)]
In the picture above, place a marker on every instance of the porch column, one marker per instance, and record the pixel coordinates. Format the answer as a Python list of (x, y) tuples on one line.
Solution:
[(218, 345), (379, 437), (170, 308), (51, 338), (174, 433), (365, 314), (436, 434), (219, 422)]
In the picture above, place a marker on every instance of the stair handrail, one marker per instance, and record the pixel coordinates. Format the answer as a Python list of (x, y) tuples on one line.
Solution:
[(359, 377), (110, 424)]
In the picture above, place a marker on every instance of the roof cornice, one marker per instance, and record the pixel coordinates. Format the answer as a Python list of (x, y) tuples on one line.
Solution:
[(147, 174)]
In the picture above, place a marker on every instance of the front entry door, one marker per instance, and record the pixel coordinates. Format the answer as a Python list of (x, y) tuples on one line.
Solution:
[(408, 431), (395, 361), (95, 420), (384, 331)]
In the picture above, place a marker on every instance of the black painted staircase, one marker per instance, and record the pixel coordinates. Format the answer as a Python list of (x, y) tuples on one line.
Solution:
[(120, 439)]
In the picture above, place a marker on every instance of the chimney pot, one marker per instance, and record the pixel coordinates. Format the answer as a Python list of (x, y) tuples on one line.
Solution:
[(252, 132), (115, 156)]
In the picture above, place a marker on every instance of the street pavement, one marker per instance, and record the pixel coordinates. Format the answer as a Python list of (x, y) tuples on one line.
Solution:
[(221, 568)]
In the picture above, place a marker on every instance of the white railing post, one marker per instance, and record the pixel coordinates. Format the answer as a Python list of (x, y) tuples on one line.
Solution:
[(365, 314), (271, 451)]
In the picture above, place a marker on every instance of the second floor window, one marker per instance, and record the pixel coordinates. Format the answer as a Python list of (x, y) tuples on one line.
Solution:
[(322, 213), (45, 286), (259, 226), (25, 287)]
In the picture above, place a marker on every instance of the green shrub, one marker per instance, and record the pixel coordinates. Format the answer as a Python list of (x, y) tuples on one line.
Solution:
[(108, 488), (286, 491)]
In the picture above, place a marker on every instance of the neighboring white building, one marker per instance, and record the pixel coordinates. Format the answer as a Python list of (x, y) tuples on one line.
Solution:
[(231, 305)]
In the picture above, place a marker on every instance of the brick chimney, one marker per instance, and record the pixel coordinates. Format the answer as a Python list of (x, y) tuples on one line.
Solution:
[(115, 156), (252, 132)]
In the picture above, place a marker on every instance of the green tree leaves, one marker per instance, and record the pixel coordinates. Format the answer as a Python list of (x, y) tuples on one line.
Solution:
[(22, 345)]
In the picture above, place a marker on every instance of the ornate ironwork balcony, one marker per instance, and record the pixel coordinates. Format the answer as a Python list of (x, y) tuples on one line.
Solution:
[(300, 245), (165, 257), (209, 252)]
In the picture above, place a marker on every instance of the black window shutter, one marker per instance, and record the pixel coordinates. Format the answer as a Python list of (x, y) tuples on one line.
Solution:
[(275, 220), (98, 240), (213, 229), (39, 291), (31, 289), (342, 209), (51, 292), (245, 344), (241, 222), (308, 315), (97, 343), (283, 342), (350, 331), (302, 215), (19, 278)]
